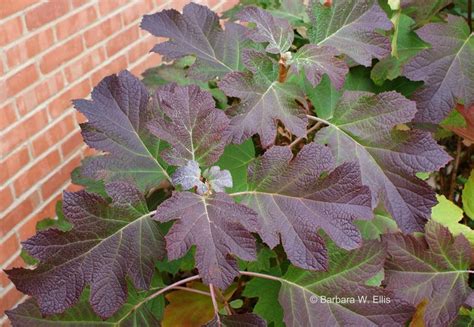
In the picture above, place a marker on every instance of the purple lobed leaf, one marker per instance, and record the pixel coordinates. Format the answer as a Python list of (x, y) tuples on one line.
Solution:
[(350, 27), (446, 68), (108, 242), (316, 61), (263, 101), (362, 128), (293, 202), (197, 32), (302, 293), (191, 124), (117, 117), (277, 32), (217, 226), (432, 268)]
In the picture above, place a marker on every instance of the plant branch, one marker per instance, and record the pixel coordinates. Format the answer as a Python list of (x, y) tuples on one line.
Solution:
[(192, 290), (454, 173), (312, 129), (214, 303), (314, 118), (255, 274), (167, 288), (469, 14)]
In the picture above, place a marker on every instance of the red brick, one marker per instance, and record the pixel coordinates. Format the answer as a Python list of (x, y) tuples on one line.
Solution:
[(64, 101), (19, 81), (106, 7), (16, 262), (74, 188), (152, 60), (7, 116), (114, 67), (226, 5), (78, 3), (134, 12), (20, 212), (72, 144), (29, 48), (13, 163), (49, 210), (10, 7), (53, 184), (10, 299), (45, 13), (141, 49), (85, 64), (23, 131), (122, 40), (61, 54), (6, 198), (40, 93), (80, 118), (76, 22), (103, 30), (10, 30), (8, 247), (39, 170), (53, 135)]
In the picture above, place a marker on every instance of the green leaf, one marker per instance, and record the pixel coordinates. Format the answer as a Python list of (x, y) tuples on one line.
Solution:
[(236, 158), (324, 96), (468, 196), (136, 312), (263, 262), (408, 45), (185, 263), (267, 305), (449, 215), (381, 224), (167, 73), (59, 223), (91, 185)]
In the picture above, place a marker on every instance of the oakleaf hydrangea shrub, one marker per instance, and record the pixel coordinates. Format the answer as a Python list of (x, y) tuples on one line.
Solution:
[(275, 171)]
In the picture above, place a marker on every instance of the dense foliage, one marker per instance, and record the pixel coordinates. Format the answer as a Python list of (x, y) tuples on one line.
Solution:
[(293, 166)]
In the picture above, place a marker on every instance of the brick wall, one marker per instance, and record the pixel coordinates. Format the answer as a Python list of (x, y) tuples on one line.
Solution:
[(52, 52)]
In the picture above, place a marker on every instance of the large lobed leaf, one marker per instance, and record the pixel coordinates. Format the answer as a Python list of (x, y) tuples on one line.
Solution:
[(263, 101), (362, 129), (315, 61), (423, 10), (293, 202), (433, 267), (446, 68), (350, 27), (277, 32), (303, 294), (197, 31), (117, 117), (108, 242), (138, 311), (217, 226), (191, 124)]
